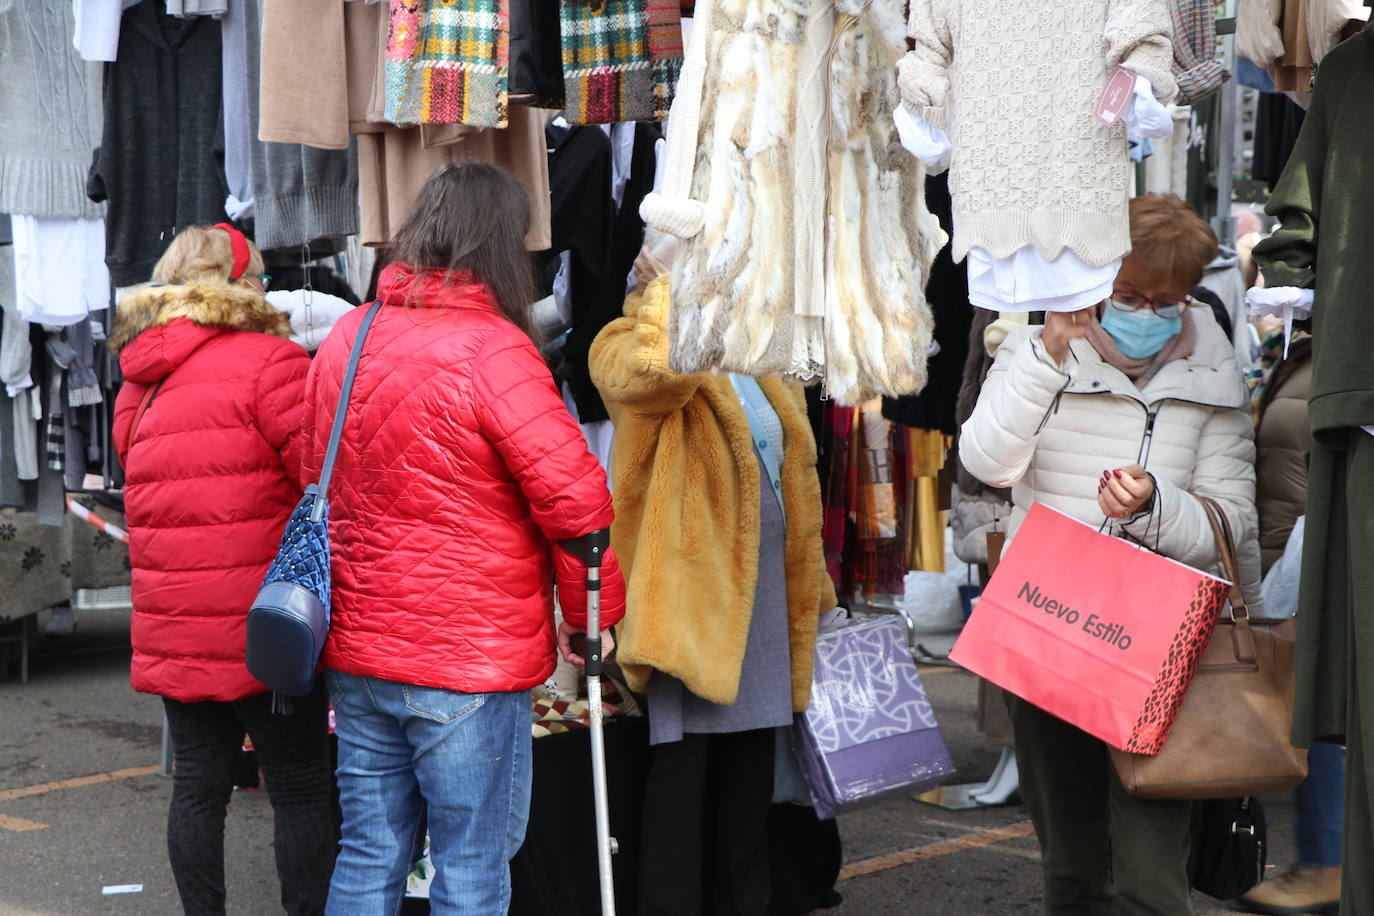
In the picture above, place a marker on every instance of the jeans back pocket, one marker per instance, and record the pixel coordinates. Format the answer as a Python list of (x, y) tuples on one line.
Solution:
[(440, 705)]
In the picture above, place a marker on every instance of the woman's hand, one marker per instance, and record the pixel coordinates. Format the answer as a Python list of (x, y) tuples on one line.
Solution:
[(1063, 327), (648, 268), (567, 631), (1125, 492)]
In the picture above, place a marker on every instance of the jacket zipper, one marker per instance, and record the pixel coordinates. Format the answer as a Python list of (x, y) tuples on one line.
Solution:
[(1150, 417), (1311, 49)]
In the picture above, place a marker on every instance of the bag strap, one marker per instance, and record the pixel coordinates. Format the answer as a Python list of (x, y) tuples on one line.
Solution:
[(143, 405), (1242, 640), (336, 430)]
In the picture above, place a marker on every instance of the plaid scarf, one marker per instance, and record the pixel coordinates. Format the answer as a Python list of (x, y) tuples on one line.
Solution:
[(1199, 72), (621, 59), (447, 62)]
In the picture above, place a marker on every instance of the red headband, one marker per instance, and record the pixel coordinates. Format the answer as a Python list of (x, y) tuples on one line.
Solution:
[(239, 245)]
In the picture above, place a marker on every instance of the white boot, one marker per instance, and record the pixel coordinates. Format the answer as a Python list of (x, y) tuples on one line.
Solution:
[(1005, 781)]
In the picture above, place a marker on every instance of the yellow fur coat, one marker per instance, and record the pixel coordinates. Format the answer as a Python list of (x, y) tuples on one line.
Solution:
[(686, 511)]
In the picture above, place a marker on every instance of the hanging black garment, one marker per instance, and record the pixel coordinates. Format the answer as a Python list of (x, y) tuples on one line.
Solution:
[(536, 53), (602, 240), (160, 161), (1277, 122), (947, 292)]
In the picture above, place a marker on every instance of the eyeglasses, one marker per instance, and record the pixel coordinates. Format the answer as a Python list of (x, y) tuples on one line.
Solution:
[(1129, 301), (266, 280)]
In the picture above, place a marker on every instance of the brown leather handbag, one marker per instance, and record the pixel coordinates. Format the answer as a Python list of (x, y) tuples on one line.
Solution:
[(1231, 735)]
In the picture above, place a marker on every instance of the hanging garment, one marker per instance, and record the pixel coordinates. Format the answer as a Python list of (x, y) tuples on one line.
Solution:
[(299, 193), (536, 54), (185, 8), (806, 237), (447, 62), (1278, 119), (238, 127), (1326, 214), (621, 59), (159, 161), (394, 164), (598, 181), (59, 274), (1033, 165), (50, 112), (1291, 37), (16, 353), (1027, 282), (947, 293), (1196, 67), (95, 32), (306, 69)]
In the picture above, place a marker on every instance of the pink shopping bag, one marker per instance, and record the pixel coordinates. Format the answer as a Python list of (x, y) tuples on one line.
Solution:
[(1094, 629)]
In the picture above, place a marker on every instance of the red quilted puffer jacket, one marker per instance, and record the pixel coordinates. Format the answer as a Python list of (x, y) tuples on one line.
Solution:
[(459, 465), (212, 475)]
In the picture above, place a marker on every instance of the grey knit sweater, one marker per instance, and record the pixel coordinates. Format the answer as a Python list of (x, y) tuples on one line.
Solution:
[(50, 112)]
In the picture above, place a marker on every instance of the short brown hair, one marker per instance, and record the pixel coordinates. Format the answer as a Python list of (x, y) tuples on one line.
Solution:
[(1170, 239), (203, 256)]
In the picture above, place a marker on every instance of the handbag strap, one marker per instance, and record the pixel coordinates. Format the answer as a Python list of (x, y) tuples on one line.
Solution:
[(336, 430), (144, 403), (1242, 640)]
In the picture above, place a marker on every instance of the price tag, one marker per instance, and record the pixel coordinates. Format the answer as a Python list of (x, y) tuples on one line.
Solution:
[(1112, 105)]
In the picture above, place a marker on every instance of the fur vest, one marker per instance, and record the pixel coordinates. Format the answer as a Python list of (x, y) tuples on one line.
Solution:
[(807, 239), (686, 511)]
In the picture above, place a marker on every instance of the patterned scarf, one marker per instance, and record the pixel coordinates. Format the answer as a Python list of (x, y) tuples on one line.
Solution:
[(621, 59), (447, 62)]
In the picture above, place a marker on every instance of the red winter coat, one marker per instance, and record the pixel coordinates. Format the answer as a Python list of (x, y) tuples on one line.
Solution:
[(210, 479), (458, 465)]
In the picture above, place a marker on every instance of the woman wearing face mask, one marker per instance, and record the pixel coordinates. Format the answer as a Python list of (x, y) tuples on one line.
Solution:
[(1128, 411)]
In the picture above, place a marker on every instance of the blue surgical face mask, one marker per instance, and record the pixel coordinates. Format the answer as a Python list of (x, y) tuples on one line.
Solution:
[(1140, 333)]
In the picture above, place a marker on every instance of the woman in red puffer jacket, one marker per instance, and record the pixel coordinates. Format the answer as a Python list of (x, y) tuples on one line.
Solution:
[(207, 427), (458, 473)]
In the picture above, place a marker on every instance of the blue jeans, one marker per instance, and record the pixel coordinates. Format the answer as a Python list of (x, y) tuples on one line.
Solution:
[(1319, 805), (465, 758)]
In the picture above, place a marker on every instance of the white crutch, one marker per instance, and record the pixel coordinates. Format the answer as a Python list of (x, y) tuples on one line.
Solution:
[(591, 549)]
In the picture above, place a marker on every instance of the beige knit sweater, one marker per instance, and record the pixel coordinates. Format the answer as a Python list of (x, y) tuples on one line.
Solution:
[(1015, 85)]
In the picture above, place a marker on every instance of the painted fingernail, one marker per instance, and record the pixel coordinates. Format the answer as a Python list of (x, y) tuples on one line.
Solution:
[(1118, 474)]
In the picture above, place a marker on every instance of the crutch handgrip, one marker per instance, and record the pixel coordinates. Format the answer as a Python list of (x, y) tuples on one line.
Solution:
[(589, 548)]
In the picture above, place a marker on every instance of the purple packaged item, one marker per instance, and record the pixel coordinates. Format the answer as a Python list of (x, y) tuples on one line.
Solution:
[(869, 731)]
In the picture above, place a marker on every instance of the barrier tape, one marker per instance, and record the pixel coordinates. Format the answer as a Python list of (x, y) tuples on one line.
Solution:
[(86, 515)]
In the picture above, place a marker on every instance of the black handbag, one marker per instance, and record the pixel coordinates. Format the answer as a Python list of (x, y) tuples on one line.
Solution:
[(1230, 846), (289, 620)]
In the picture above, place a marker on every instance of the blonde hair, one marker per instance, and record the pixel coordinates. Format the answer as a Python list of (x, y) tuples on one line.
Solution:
[(204, 257)]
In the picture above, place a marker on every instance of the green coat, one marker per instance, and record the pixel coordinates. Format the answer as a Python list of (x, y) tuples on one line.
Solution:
[(1325, 202)]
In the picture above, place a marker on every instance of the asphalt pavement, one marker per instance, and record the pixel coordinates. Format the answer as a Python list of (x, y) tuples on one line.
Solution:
[(82, 808)]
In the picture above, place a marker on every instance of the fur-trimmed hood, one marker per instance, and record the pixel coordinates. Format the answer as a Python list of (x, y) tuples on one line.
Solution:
[(158, 327), (224, 307)]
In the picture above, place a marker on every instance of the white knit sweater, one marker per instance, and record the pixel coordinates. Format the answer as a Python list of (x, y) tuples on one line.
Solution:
[(1015, 85)]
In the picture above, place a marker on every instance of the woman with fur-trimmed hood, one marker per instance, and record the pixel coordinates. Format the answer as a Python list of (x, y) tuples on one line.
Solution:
[(208, 428)]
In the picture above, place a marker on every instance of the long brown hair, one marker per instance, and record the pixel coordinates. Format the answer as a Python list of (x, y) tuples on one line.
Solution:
[(472, 218)]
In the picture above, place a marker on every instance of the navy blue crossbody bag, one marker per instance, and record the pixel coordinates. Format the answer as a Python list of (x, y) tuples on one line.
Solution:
[(289, 620)]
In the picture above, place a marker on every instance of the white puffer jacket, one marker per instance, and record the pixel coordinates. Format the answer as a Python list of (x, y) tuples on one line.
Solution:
[(1050, 436)]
